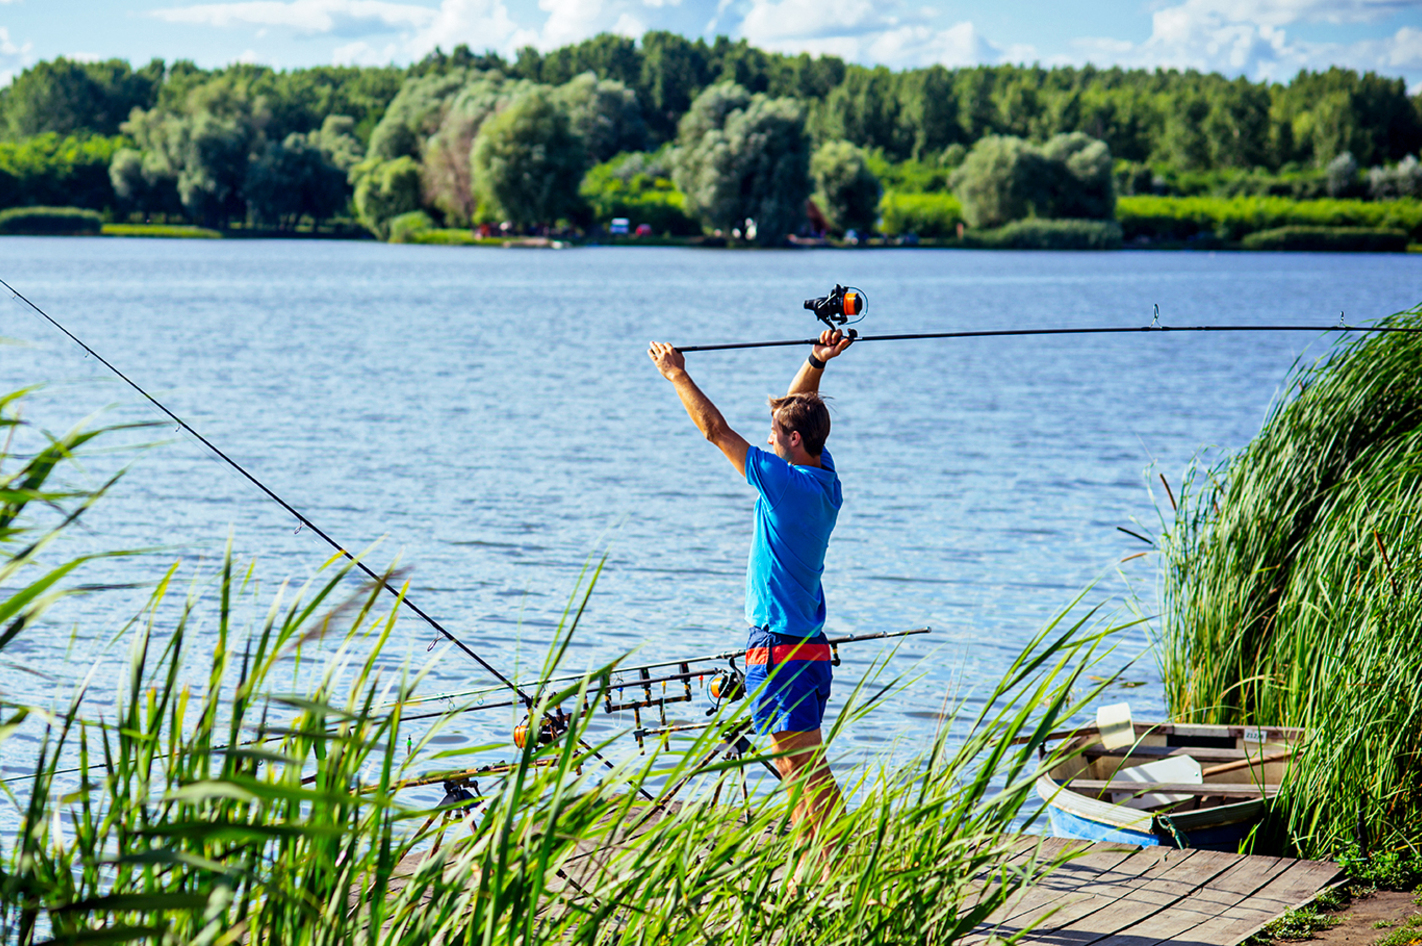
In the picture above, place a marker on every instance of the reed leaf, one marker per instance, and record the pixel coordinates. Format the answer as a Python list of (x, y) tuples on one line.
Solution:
[(1291, 597)]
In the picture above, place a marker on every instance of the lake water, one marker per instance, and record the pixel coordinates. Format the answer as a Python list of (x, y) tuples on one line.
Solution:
[(490, 417)]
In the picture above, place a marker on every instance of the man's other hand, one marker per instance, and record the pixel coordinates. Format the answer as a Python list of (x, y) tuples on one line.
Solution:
[(670, 362), (832, 343)]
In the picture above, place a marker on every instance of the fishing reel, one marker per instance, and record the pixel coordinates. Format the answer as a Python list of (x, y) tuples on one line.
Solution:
[(844, 306), (726, 686), (549, 729), (458, 799)]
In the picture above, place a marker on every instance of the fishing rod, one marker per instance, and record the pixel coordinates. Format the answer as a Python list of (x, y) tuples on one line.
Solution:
[(833, 642), (380, 580), (846, 305), (607, 688)]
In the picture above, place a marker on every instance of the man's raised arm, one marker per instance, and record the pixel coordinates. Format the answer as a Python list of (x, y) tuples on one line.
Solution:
[(672, 364), (807, 379)]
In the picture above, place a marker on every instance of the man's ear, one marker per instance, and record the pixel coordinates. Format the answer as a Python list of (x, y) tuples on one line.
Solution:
[(795, 440)]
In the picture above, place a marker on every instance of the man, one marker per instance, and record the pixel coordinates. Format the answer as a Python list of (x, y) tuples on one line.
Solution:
[(787, 659)]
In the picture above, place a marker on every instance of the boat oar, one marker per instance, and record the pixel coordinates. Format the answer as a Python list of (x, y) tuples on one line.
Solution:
[(1246, 763)]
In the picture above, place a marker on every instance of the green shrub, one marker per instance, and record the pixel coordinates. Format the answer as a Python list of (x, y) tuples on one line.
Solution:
[(1035, 234), (928, 215), (660, 210), (1174, 219), (1333, 239), (177, 231), (66, 221), (51, 170), (439, 236), (408, 226), (637, 186)]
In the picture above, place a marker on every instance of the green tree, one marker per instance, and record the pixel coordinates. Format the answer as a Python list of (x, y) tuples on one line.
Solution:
[(84, 98), (1083, 185), (674, 71), (744, 157), (204, 148), (1237, 127), (527, 161), (741, 63), (415, 114), (1338, 110), (805, 77), (846, 189), (50, 170), (928, 112), (998, 181), (605, 114), (1184, 143), (606, 55), (298, 177), (385, 190), (446, 169), (864, 110)]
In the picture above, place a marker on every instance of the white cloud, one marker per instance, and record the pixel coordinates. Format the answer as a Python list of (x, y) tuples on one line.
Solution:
[(13, 59), (361, 53), (629, 25), (480, 24), (769, 23), (349, 17), (414, 29), (871, 32), (1249, 37), (569, 21)]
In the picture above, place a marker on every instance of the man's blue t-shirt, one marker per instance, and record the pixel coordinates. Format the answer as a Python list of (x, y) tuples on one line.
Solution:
[(794, 516)]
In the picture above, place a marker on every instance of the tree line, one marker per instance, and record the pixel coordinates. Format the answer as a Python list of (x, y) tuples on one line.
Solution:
[(691, 133)]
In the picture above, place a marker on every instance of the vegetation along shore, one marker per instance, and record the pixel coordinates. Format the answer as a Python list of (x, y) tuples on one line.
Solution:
[(250, 785), (668, 140)]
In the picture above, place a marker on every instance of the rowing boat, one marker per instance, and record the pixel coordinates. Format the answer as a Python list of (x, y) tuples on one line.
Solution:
[(1169, 784)]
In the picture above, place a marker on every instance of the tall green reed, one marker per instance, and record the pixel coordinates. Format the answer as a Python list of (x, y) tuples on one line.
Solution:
[(1290, 594), (214, 801)]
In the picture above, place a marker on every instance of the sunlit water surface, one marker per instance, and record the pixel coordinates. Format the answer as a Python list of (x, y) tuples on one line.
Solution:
[(490, 417)]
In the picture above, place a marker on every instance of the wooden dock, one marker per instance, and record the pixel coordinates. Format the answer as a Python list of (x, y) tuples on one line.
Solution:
[(1124, 895)]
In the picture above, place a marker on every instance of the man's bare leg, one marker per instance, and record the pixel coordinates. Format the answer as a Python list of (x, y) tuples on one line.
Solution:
[(804, 762)]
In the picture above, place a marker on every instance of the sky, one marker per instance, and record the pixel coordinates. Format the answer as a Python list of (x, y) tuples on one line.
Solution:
[(1260, 39)]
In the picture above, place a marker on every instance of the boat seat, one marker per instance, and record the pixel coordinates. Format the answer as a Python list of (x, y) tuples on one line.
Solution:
[(1198, 753), (1219, 789)]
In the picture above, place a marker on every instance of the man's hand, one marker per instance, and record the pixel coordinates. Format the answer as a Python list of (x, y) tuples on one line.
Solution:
[(670, 362), (832, 344)]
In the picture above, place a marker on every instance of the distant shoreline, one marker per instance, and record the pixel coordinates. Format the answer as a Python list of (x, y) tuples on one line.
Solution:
[(467, 238)]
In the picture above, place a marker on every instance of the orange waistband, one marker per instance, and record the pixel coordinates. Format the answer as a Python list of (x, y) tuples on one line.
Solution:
[(781, 653)]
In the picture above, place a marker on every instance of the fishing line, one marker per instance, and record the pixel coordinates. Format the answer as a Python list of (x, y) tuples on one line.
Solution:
[(303, 520), (274, 497), (846, 305), (1004, 333)]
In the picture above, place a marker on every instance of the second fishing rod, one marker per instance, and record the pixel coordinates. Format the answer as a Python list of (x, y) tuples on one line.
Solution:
[(845, 306)]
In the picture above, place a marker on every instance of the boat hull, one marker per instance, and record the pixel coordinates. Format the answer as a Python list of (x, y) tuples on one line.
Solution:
[(1223, 825), (1125, 826)]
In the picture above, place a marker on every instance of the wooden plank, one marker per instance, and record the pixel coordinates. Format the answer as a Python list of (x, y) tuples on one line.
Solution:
[(1223, 789), (1118, 895), (1088, 894), (1070, 878), (1159, 888), (1198, 753), (1224, 892), (1299, 883)]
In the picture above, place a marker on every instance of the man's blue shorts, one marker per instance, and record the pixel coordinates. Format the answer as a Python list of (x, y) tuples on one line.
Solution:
[(788, 679)]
